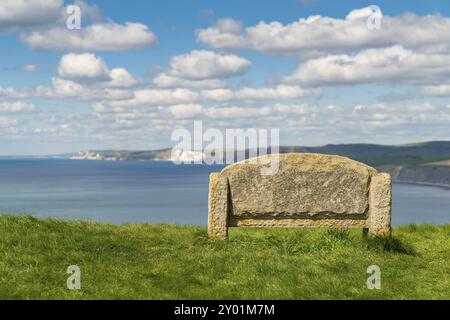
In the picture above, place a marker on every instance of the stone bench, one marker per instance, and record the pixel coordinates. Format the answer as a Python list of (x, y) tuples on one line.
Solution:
[(308, 190)]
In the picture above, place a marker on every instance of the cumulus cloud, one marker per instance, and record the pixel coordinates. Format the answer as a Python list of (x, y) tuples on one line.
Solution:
[(409, 49), (13, 93), (42, 24), (185, 111), (90, 12), (66, 89), (225, 34), (202, 68), (325, 118), (237, 112), (373, 65), (87, 67), (29, 68), (318, 35), (82, 66), (163, 97), (203, 64), (300, 109), (96, 37), (442, 90), (16, 107), (182, 96), (120, 77), (363, 118), (165, 80), (280, 92), (17, 15), (6, 122)]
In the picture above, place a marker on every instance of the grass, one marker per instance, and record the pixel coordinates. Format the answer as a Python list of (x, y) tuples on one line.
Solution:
[(143, 261)]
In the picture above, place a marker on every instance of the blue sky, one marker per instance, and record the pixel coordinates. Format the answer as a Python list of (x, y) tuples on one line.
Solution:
[(137, 70)]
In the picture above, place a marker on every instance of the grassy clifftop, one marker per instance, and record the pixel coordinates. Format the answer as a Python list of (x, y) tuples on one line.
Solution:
[(143, 261)]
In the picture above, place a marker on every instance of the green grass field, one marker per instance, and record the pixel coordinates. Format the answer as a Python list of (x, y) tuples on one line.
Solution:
[(143, 261)]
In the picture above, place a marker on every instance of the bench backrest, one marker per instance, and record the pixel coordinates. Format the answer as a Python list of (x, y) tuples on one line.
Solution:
[(306, 190)]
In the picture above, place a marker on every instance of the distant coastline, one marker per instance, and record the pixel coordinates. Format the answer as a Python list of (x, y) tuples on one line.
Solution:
[(426, 163), (431, 175)]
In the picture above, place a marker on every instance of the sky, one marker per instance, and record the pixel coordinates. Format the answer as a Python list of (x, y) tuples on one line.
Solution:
[(322, 72)]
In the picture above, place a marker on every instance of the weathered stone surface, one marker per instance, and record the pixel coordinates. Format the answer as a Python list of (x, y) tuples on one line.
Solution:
[(217, 206), (380, 198), (305, 184), (293, 223), (308, 190)]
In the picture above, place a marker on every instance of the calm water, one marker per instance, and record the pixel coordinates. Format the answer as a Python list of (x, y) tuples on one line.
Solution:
[(151, 191)]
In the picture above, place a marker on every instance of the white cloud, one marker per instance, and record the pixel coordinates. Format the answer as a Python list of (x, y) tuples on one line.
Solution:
[(442, 90), (116, 93), (82, 66), (16, 15), (363, 118), (301, 109), (218, 95), (201, 69), (86, 67), (96, 37), (42, 26), (326, 118), (225, 34), (29, 68), (120, 77), (102, 108), (203, 64), (163, 97), (6, 122), (164, 80), (13, 93), (373, 65), (280, 92), (185, 111), (237, 112), (90, 12), (317, 35), (183, 96), (16, 107), (66, 89)]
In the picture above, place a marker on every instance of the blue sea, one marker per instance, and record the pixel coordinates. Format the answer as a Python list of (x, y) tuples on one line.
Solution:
[(152, 191)]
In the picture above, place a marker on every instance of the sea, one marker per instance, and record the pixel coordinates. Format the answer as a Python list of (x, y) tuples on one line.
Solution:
[(153, 191)]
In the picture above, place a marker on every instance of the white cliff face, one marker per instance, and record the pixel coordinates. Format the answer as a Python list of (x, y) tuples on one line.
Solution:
[(86, 155), (185, 156)]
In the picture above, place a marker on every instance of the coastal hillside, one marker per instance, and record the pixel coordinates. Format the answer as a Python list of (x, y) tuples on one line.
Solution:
[(423, 163), (423, 174), (120, 155), (376, 155), (371, 154)]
